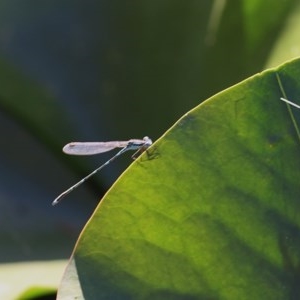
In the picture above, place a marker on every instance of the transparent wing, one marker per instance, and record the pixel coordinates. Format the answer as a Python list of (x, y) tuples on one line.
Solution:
[(91, 148)]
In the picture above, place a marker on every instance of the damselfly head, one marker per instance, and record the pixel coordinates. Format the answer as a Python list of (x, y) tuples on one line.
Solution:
[(147, 140)]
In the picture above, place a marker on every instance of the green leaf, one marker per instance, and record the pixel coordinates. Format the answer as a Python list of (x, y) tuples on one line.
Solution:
[(38, 293), (214, 215)]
